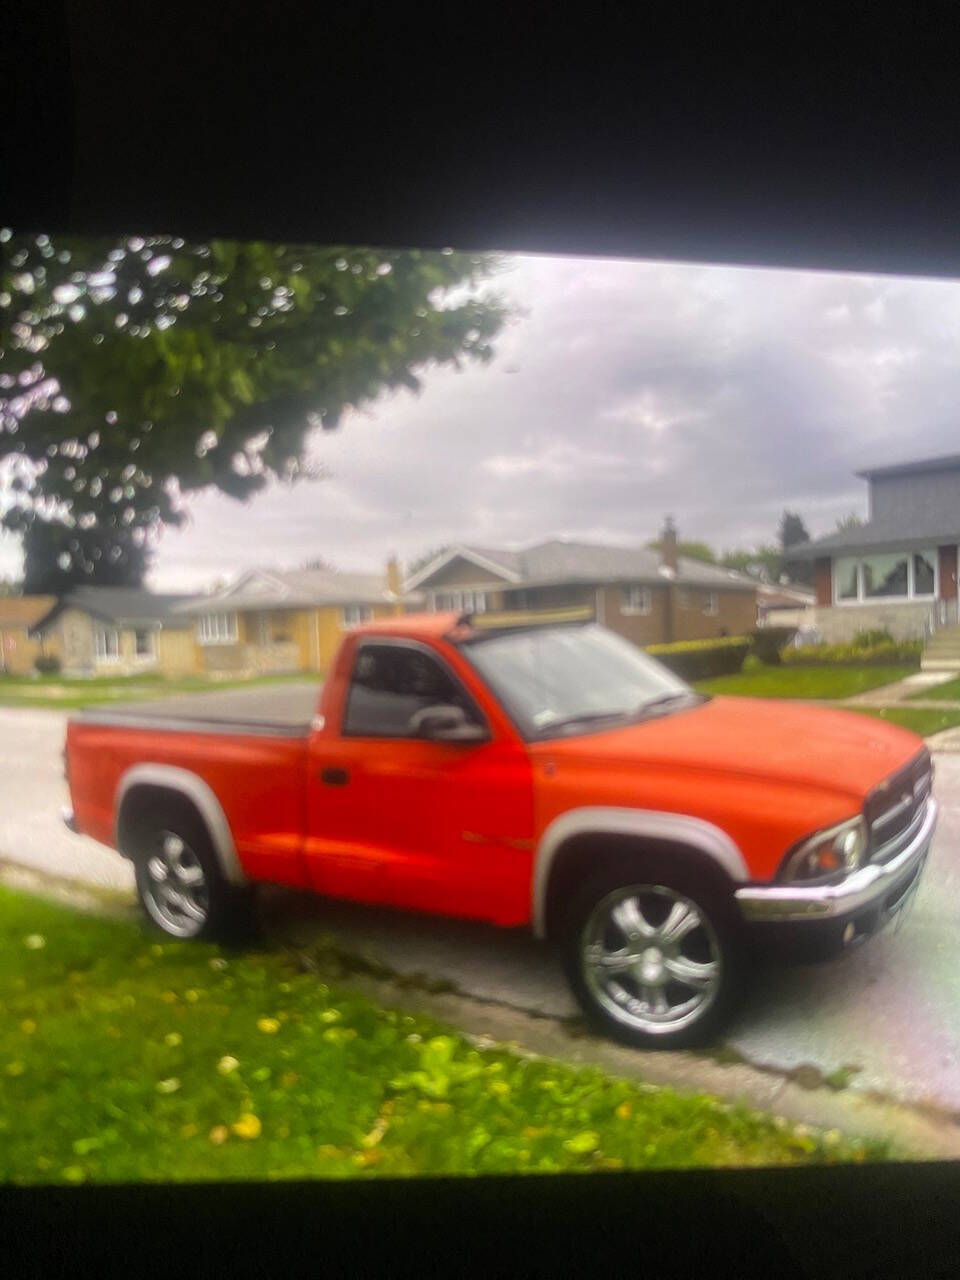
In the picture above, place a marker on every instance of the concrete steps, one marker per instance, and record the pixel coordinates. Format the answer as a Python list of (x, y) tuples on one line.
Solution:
[(942, 651)]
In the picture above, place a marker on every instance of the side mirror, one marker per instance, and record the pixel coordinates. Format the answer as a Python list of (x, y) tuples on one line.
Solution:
[(445, 723)]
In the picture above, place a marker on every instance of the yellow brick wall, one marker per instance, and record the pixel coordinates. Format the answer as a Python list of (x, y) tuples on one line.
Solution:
[(178, 653), (19, 650)]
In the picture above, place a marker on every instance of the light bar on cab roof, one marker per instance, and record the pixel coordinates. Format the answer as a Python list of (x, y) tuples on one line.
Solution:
[(504, 620)]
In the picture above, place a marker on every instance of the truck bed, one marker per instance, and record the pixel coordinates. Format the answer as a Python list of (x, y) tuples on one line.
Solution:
[(285, 709)]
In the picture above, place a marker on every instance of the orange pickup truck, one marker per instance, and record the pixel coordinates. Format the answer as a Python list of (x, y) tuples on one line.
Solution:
[(528, 774)]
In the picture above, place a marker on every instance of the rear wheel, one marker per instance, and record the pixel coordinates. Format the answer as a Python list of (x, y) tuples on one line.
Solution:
[(179, 882), (653, 956)]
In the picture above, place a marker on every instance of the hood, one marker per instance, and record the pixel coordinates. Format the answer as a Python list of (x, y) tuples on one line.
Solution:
[(752, 737)]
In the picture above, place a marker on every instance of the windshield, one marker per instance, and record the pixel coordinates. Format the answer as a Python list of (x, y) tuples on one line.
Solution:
[(559, 680)]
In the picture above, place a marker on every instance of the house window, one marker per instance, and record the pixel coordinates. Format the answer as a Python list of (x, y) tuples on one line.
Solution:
[(847, 575), (461, 601), (218, 628), (353, 614), (636, 600), (107, 644), (143, 643), (712, 607), (924, 573), (885, 576)]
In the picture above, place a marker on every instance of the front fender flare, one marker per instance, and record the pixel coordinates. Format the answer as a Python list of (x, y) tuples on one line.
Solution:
[(650, 824)]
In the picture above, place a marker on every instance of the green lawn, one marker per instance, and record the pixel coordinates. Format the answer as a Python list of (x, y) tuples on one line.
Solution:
[(71, 693), (949, 691), (804, 682), (123, 1058), (920, 720)]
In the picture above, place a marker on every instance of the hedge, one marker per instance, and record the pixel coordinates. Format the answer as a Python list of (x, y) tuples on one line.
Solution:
[(768, 643), (888, 653), (700, 659)]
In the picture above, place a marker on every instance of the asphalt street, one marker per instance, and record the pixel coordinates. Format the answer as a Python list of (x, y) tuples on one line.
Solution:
[(889, 1012)]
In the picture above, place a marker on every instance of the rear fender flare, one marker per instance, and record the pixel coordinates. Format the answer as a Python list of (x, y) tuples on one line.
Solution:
[(649, 824), (200, 795)]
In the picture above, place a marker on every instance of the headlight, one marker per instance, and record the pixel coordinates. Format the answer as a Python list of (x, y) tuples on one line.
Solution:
[(828, 855)]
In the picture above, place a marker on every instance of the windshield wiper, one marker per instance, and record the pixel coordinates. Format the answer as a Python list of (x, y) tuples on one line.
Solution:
[(586, 717), (663, 700)]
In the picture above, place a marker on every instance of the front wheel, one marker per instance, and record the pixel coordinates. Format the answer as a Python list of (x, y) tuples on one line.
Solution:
[(653, 958)]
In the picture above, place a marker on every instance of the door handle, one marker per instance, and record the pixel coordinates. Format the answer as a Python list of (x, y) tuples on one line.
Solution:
[(334, 777)]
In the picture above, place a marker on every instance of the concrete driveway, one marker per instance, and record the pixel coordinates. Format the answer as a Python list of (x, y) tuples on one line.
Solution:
[(889, 1012)]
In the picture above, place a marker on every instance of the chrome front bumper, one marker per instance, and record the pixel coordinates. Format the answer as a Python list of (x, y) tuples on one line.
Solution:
[(69, 821), (864, 888)]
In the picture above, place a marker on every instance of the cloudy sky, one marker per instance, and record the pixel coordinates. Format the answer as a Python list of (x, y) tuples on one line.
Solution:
[(627, 390)]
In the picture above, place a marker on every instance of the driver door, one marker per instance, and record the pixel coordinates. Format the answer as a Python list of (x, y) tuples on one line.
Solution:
[(427, 825)]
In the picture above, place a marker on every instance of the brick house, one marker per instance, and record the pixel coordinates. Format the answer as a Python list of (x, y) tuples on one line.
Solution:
[(287, 621), (116, 631), (19, 649), (649, 597), (899, 570)]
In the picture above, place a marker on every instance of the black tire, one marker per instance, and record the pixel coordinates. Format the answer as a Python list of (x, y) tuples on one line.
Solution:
[(229, 911), (659, 883)]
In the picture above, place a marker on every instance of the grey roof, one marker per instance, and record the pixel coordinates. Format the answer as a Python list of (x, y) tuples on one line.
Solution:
[(123, 606), (296, 588), (927, 529), (559, 561), (949, 462)]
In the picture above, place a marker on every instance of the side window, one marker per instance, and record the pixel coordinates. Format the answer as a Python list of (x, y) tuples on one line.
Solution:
[(390, 683)]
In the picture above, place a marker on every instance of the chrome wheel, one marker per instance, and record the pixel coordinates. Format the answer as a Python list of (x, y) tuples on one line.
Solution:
[(651, 958), (175, 890)]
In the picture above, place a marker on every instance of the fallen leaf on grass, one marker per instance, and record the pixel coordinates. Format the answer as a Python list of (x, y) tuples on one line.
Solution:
[(172, 1039), (582, 1143), (168, 1086), (227, 1064), (219, 1134), (34, 941), (269, 1026), (248, 1126), (28, 1026)]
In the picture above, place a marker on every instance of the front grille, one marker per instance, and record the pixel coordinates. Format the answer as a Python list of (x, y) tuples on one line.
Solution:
[(894, 810)]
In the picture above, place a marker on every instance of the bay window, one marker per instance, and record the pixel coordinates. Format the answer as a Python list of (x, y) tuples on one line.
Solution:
[(886, 575)]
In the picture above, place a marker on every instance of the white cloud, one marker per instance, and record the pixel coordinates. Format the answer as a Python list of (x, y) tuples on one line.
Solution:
[(625, 390)]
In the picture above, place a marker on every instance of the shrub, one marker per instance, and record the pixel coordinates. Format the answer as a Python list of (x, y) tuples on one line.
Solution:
[(868, 639), (889, 653), (768, 641), (47, 665), (700, 659)]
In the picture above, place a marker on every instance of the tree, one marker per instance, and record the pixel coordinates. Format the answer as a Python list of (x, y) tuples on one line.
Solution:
[(851, 521), (792, 533), (136, 371), (692, 550), (318, 562), (762, 562), (57, 557)]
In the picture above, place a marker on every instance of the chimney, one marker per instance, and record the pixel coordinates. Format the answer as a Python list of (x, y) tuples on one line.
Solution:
[(668, 545), (394, 576)]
